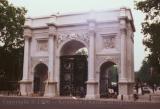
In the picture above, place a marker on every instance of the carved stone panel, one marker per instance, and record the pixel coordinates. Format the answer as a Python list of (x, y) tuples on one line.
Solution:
[(42, 45), (61, 37), (109, 41)]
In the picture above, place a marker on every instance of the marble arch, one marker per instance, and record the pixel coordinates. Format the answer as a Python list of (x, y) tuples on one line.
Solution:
[(108, 36)]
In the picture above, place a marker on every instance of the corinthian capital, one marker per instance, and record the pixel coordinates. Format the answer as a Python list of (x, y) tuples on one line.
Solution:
[(52, 29), (27, 32)]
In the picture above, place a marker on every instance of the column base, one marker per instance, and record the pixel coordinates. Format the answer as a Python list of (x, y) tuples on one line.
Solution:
[(125, 91), (51, 89), (25, 87), (92, 90)]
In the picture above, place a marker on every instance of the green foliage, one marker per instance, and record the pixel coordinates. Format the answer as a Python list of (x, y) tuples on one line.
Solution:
[(144, 73), (82, 51), (11, 41), (11, 25), (147, 75), (113, 74), (150, 29)]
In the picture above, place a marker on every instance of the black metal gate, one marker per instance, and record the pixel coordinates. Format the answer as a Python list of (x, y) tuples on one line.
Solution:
[(73, 75)]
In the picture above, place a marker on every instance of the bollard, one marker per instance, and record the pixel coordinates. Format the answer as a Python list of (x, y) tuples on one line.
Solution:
[(122, 97), (135, 97), (149, 97)]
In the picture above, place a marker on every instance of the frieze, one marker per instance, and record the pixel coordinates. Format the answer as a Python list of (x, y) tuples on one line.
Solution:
[(61, 37)]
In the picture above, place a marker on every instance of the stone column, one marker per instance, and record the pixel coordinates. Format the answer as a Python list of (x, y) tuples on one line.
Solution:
[(132, 56), (51, 85), (26, 58), (92, 84), (123, 32), (125, 86), (51, 56), (25, 83)]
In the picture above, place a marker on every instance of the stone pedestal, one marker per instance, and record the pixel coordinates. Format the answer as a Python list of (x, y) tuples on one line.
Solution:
[(50, 89), (25, 87), (125, 91), (92, 90)]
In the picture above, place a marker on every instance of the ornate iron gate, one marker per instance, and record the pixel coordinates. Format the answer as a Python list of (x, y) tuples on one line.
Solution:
[(73, 75)]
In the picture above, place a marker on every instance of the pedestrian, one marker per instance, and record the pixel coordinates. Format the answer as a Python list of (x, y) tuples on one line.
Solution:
[(82, 92), (136, 87)]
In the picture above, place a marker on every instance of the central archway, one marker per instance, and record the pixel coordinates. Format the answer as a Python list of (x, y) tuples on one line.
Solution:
[(73, 69)]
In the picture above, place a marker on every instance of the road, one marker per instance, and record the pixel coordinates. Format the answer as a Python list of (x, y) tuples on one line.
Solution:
[(50, 103)]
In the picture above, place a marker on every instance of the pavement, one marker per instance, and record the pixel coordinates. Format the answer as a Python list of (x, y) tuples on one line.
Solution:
[(21, 102), (149, 98)]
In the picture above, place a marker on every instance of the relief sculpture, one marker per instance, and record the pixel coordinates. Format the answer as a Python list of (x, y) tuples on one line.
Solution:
[(109, 42), (77, 36)]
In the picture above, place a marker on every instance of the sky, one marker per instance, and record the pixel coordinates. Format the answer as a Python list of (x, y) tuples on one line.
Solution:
[(48, 7)]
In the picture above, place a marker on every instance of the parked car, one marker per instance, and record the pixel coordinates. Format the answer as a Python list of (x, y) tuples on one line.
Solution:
[(158, 90), (146, 90)]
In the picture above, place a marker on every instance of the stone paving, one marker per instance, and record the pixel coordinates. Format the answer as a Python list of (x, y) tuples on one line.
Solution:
[(148, 98)]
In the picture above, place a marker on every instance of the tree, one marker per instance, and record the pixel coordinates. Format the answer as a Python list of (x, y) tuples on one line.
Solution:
[(82, 51), (147, 75), (143, 74), (11, 40), (11, 26), (150, 29)]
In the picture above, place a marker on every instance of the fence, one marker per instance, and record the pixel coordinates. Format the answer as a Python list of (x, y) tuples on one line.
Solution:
[(9, 87)]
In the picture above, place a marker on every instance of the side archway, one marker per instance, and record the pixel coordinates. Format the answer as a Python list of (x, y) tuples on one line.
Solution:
[(40, 75), (108, 80)]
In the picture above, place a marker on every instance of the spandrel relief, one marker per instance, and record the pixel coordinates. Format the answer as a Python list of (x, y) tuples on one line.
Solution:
[(69, 36)]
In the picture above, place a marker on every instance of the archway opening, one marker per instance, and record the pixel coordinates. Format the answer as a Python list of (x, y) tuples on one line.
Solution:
[(108, 80), (40, 75), (73, 69)]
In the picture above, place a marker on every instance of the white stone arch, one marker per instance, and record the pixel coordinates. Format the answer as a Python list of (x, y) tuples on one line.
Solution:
[(63, 38), (39, 67), (58, 54), (103, 59), (35, 61), (68, 41), (40, 62)]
